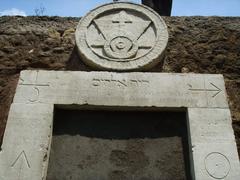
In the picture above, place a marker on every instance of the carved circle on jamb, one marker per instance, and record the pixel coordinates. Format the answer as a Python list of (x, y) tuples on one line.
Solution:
[(121, 36), (217, 165)]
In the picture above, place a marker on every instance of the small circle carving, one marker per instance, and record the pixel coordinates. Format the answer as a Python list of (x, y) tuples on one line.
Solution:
[(121, 36), (120, 48), (217, 165)]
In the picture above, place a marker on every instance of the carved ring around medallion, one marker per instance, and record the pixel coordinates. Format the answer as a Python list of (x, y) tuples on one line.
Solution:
[(121, 36)]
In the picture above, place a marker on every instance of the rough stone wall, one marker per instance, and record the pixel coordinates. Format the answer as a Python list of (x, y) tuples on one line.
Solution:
[(197, 44)]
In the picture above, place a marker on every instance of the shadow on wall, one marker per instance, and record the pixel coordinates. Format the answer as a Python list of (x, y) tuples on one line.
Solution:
[(120, 125), (75, 63), (123, 135)]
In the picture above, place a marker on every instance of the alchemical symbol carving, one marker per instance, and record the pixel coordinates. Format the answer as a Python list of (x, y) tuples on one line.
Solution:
[(217, 165), (121, 36), (34, 91), (23, 162), (116, 39), (24, 156), (216, 90)]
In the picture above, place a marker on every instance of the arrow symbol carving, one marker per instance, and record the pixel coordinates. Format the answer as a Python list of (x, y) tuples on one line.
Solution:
[(214, 89), (23, 158)]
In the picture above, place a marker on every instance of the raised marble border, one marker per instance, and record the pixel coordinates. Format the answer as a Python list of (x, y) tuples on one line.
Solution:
[(27, 139)]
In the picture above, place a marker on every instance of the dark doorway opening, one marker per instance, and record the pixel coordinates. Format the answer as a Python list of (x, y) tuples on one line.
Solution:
[(144, 145)]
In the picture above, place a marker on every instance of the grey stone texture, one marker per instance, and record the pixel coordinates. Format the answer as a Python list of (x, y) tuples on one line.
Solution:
[(121, 36), (118, 145), (196, 44), (27, 139)]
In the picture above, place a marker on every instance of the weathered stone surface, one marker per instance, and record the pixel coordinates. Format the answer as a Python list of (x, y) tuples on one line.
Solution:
[(121, 36), (211, 139), (144, 145), (28, 134), (121, 89), (26, 141), (194, 42)]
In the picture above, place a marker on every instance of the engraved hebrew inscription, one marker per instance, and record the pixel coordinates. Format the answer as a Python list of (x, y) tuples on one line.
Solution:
[(217, 165), (216, 90), (112, 39), (119, 82)]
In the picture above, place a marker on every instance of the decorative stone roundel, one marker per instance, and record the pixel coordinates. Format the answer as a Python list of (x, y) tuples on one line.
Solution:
[(121, 36)]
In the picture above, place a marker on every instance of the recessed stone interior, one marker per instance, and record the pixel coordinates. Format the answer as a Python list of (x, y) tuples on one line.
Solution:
[(93, 144)]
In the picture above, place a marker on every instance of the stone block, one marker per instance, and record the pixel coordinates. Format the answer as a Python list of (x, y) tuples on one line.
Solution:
[(213, 146), (27, 139), (26, 143), (122, 89)]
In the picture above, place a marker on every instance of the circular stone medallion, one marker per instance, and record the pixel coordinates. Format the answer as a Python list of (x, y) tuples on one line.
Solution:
[(121, 36)]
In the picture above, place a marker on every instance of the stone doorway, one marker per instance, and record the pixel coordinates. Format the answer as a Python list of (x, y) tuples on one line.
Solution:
[(98, 144)]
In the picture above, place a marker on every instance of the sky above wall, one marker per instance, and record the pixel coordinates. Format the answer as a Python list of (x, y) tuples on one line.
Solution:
[(78, 8)]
